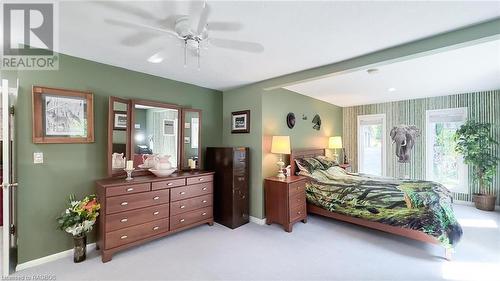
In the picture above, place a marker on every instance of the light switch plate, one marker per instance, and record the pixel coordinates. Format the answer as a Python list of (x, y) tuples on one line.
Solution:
[(37, 157)]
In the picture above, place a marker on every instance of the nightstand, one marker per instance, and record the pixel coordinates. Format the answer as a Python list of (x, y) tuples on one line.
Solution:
[(285, 201)]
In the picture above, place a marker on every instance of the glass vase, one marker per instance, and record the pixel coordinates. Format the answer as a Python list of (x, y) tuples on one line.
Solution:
[(80, 249)]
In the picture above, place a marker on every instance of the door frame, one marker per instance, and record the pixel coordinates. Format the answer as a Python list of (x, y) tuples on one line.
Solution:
[(9, 242), (384, 139)]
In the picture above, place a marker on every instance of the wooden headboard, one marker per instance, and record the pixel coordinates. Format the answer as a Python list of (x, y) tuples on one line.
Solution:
[(305, 152)]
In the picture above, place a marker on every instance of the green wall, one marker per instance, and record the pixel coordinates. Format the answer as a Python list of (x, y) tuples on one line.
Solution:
[(249, 97), (276, 105), (481, 106), (267, 118), (73, 168)]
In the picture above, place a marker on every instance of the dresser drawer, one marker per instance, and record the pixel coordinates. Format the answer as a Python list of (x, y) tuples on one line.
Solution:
[(187, 205), (168, 184), (188, 218), (297, 212), (180, 193), (135, 201), (134, 233), (127, 189), (200, 179), (297, 199), (138, 216), (296, 188)]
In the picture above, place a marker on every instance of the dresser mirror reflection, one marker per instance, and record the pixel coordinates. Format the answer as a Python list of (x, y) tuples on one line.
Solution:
[(191, 149), (138, 130)]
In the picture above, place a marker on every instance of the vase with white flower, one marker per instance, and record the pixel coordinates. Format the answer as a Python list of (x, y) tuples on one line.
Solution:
[(78, 220)]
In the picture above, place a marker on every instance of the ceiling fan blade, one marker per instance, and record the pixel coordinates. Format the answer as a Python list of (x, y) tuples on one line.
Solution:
[(224, 26), (198, 15), (202, 23), (140, 25), (139, 38), (237, 45)]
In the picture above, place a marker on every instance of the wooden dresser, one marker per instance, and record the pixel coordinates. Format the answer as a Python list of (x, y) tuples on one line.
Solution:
[(285, 201), (148, 207)]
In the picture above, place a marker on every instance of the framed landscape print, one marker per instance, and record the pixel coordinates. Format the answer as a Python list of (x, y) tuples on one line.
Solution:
[(120, 120), (240, 122), (62, 116)]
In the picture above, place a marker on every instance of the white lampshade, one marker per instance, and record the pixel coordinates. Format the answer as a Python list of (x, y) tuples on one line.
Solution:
[(281, 145), (335, 142)]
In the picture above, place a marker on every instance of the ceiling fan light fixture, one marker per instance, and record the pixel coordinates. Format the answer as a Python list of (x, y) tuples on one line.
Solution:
[(391, 89)]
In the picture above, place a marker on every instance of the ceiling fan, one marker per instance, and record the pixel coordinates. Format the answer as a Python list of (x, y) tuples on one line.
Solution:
[(192, 30)]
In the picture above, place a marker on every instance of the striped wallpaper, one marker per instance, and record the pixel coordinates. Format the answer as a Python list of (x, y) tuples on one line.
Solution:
[(481, 106)]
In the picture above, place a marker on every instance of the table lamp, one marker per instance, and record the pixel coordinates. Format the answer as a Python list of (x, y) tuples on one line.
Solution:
[(281, 145), (335, 143)]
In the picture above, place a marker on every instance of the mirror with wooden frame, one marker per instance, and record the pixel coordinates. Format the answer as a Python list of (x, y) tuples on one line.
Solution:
[(118, 135), (155, 131), (191, 139)]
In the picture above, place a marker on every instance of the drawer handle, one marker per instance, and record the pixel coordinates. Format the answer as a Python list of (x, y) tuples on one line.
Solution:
[(124, 237), (130, 189), (182, 220), (200, 179), (204, 188), (182, 207), (204, 214), (299, 213), (124, 220), (156, 213), (182, 193), (156, 197), (124, 203), (156, 228), (170, 184), (204, 201)]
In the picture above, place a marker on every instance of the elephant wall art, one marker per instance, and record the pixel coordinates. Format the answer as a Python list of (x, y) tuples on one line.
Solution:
[(404, 137)]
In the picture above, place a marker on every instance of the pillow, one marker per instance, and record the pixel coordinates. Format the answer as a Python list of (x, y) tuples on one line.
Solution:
[(309, 164), (327, 162)]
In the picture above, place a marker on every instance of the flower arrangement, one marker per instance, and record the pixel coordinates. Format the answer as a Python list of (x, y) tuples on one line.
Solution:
[(79, 218)]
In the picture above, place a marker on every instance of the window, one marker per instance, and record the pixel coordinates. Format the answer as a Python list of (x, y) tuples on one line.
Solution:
[(371, 144), (443, 164)]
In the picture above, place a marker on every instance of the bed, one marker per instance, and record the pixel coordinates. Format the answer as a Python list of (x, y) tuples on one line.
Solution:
[(418, 210)]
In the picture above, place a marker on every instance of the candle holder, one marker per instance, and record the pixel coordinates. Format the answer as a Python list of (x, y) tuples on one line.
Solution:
[(129, 174)]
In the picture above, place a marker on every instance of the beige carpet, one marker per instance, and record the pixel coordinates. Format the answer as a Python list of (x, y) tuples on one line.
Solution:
[(322, 249)]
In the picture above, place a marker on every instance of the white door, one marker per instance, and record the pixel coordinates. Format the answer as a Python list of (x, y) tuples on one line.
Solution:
[(371, 144), (9, 243)]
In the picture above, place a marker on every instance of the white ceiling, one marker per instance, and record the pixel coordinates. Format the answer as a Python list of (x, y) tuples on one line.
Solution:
[(296, 35), (468, 69)]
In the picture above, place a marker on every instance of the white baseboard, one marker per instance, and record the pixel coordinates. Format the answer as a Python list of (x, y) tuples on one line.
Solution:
[(257, 220), (53, 257)]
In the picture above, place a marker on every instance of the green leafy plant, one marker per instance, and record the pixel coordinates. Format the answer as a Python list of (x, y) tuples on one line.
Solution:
[(475, 143)]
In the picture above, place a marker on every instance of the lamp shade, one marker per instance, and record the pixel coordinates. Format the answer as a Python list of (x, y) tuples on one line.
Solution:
[(335, 142), (281, 145)]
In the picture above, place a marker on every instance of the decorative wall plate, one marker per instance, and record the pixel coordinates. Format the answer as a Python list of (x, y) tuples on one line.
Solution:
[(290, 120), (317, 122)]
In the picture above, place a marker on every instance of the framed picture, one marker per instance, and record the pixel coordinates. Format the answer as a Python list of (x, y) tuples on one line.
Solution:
[(120, 120), (168, 127), (62, 116), (240, 122)]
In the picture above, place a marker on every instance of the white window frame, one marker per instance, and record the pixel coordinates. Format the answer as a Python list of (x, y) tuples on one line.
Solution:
[(464, 171), (384, 140)]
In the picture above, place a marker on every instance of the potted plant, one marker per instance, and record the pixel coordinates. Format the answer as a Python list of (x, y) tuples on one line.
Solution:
[(475, 143), (78, 220)]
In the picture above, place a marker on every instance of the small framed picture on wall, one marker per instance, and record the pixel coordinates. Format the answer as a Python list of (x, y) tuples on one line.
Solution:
[(240, 122)]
